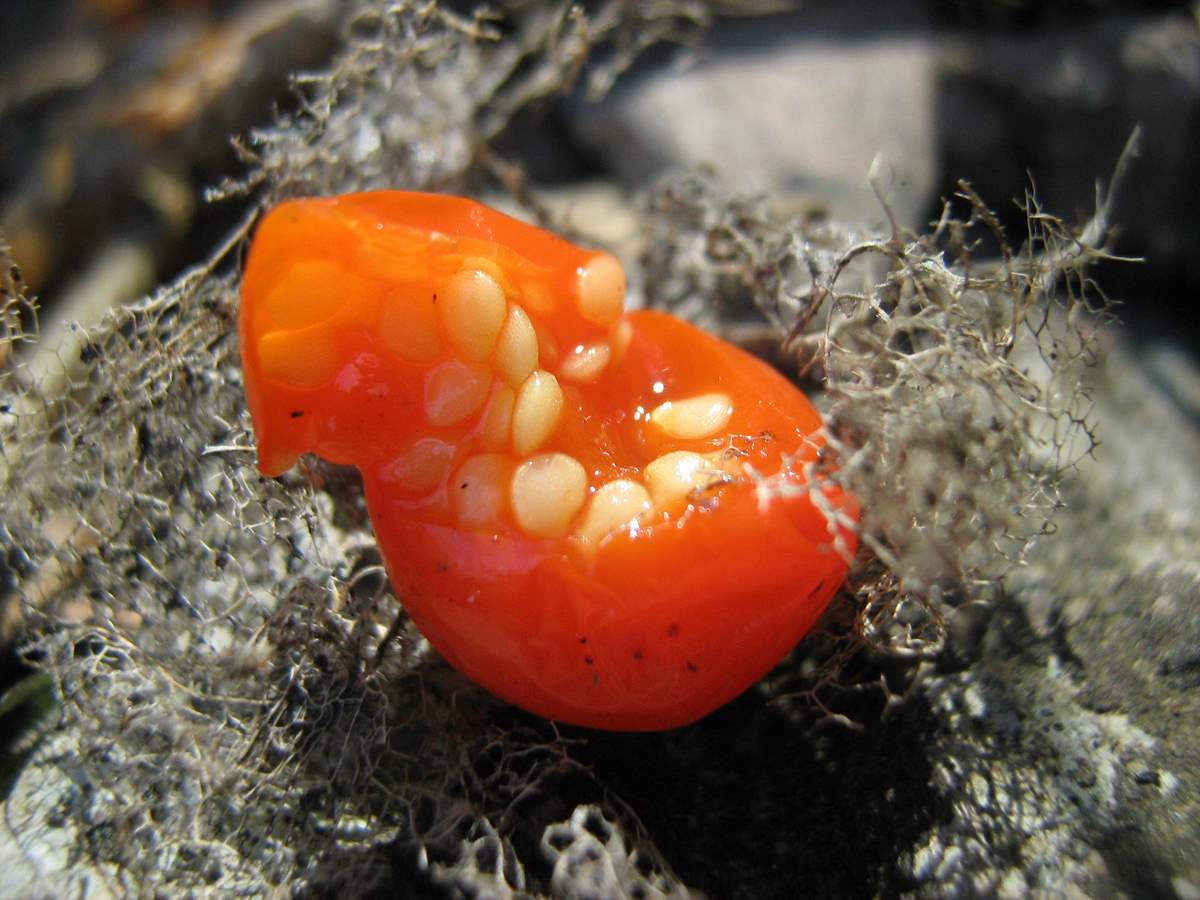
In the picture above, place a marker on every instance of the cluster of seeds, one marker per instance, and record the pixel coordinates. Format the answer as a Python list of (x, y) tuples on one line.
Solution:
[(497, 377), (543, 471), (483, 337)]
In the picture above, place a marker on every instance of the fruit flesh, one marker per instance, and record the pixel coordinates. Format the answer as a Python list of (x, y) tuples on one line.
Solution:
[(559, 489)]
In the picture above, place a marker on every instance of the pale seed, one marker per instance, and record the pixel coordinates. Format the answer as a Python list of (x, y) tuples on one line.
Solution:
[(517, 350), (420, 468), (299, 359), (454, 390), (478, 490), (473, 310), (546, 493), (615, 505), (693, 418), (673, 476), (586, 362), (537, 411), (497, 418), (601, 288), (408, 327)]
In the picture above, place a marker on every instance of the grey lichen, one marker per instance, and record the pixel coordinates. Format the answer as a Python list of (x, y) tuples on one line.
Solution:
[(952, 383), (590, 859)]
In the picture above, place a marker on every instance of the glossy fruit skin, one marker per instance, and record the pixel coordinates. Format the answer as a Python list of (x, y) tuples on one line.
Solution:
[(656, 626)]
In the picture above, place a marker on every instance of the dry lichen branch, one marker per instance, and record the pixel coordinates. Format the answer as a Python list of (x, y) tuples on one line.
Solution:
[(418, 76), (956, 402)]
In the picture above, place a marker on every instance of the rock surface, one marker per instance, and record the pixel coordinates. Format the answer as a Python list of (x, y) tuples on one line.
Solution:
[(800, 107), (1069, 748)]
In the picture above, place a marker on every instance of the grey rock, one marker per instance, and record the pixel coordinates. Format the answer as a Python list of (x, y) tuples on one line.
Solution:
[(799, 106), (1057, 104), (1069, 750)]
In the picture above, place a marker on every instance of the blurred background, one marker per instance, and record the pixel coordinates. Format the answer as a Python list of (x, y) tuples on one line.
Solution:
[(116, 115)]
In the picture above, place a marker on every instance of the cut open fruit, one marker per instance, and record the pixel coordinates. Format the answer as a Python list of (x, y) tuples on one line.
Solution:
[(560, 489)]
